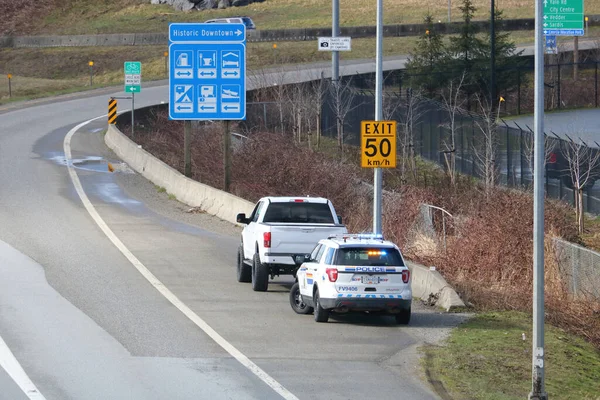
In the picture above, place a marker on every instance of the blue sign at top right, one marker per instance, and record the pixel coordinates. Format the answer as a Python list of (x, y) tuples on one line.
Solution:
[(563, 18)]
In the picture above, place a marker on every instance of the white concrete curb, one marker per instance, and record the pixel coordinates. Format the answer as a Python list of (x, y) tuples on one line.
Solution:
[(430, 286), (214, 201), (426, 284)]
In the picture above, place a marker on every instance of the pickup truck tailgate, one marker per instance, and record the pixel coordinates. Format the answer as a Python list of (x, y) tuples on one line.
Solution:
[(291, 239)]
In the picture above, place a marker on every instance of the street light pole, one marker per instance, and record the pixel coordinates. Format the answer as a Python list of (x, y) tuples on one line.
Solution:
[(335, 28), (538, 391), (378, 174)]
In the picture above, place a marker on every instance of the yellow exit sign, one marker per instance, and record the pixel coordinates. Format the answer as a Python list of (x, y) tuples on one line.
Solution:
[(378, 144)]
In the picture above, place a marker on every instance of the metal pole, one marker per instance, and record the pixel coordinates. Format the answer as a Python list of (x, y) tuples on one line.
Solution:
[(227, 157), (10, 87), (492, 58), (132, 114), (449, 7), (335, 29), (538, 391), (187, 148), (378, 174)]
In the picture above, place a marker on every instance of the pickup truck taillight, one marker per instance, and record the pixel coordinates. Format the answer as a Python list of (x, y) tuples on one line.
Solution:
[(267, 239), (332, 274), (405, 276)]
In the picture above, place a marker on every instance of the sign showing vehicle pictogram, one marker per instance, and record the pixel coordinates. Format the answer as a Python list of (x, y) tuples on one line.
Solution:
[(184, 98), (378, 144), (207, 99), (230, 98)]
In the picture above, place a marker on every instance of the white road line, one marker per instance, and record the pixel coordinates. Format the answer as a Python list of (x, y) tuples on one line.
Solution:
[(16, 372), (158, 285)]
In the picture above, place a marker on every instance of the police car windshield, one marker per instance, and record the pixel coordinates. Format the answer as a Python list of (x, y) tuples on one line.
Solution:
[(316, 213), (367, 256)]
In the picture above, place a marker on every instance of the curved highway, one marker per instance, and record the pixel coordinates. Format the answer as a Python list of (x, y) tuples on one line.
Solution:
[(78, 320)]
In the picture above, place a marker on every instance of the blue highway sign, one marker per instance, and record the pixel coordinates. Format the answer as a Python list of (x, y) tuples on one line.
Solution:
[(207, 78), (551, 47)]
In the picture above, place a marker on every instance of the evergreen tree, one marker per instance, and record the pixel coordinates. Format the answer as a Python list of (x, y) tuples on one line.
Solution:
[(507, 58), (466, 48), (427, 60)]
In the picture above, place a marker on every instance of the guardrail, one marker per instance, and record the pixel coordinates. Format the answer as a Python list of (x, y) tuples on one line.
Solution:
[(299, 34)]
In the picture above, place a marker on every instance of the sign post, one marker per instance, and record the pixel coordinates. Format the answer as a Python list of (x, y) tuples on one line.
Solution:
[(133, 85), (378, 144), (563, 17), (91, 64), (9, 76)]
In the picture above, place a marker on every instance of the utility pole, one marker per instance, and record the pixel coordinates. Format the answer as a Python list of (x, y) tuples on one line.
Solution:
[(378, 173), (538, 391)]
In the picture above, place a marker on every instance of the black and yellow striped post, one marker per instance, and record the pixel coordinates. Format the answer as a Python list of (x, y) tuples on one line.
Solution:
[(112, 111)]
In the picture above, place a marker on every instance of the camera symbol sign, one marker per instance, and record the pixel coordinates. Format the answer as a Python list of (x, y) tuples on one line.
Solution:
[(337, 43)]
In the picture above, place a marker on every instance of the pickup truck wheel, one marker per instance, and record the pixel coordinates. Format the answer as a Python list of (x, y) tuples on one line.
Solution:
[(260, 275), (244, 272), (296, 301), (321, 315), (403, 317)]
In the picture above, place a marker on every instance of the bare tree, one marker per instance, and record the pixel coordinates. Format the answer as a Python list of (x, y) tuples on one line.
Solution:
[(414, 112), (485, 149), (316, 97), (278, 91), (583, 163), (452, 103), (342, 103)]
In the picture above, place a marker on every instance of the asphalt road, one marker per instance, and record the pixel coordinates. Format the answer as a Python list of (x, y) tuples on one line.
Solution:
[(85, 324)]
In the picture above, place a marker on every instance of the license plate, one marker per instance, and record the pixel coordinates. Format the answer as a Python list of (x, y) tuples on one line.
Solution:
[(369, 279)]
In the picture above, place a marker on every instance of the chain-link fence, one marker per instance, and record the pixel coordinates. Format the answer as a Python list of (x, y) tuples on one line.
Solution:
[(579, 267)]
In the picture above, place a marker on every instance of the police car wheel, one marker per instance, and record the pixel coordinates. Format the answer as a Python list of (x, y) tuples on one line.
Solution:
[(296, 301), (403, 317), (260, 275), (321, 315), (244, 272)]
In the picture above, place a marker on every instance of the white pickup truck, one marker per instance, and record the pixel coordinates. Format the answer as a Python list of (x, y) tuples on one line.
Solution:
[(278, 230)]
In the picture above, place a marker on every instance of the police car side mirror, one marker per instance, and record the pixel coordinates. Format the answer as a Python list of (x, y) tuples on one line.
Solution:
[(339, 219), (241, 218)]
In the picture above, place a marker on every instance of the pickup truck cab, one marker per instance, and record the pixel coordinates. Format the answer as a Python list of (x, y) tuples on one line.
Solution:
[(278, 230), (346, 273)]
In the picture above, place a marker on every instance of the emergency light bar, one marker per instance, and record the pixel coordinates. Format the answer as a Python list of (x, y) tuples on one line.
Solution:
[(360, 236)]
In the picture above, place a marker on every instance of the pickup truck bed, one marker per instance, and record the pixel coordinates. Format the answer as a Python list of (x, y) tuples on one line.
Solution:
[(279, 229)]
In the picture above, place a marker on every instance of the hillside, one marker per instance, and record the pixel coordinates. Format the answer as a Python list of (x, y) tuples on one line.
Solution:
[(130, 16)]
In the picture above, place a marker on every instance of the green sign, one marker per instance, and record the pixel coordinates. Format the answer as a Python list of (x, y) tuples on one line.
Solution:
[(563, 17), (133, 76)]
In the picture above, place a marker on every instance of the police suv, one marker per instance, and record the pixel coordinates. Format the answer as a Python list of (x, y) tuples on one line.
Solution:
[(347, 273)]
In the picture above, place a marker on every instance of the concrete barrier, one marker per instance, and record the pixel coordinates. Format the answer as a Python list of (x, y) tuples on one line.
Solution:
[(214, 201), (430, 286)]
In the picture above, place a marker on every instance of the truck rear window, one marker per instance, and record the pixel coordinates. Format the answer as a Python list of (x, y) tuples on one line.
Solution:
[(366, 256), (315, 213)]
